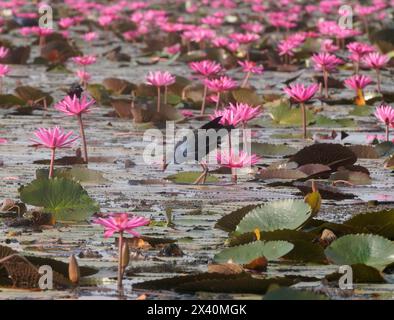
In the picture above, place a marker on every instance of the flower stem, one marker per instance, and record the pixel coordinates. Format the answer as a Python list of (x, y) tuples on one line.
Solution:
[(82, 131), (165, 94), (158, 99), (204, 98), (120, 264), (325, 76), (303, 120), (234, 177), (387, 132), (52, 163), (379, 80), (218, 101), (245, 82)]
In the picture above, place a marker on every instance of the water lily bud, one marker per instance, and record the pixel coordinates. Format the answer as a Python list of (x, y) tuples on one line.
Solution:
[(73, 270), (125, 254)]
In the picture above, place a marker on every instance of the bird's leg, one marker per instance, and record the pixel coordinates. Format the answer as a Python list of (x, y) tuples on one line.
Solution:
[(203, 175), (206, 170)]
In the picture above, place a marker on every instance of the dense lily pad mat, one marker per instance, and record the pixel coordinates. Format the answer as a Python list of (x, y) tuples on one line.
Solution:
[(211, 282)]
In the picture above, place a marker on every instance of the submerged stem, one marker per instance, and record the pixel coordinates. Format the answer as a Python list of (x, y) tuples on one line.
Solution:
[(387, 132), (303, 120), (218, 101), (52, 163), (120, 264), (204, 98), (84, 147), (158, 99)]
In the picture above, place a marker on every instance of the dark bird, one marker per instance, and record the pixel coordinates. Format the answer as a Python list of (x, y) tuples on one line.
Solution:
[(75, 90), (184, 150)]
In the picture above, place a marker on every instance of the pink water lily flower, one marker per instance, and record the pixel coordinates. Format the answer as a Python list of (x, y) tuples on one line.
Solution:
[(328, 46), (358, 50), (4, 70), (220, 85), (3, 52), (237, 113), (84, 60), (249, 67), (385, 114), (376, 61), (206, 68), (236, 160), (302, 94), (358, 83), (160, 79), (90, 36), (53, 138), (326, 63), (84, 77), (121, 222), (74, 106)]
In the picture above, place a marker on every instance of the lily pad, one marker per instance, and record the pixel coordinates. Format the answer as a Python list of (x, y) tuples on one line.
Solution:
[(272, 150), (285, 115), (190, 177), (64, 198), (285, 174), (229, 222), (78, 173), (323, 121), (276, 215), (332, 155), (293, 294), (271, 250), (221, 283), (381, 222), (385, 149), (361, 274), (372, 250), (245, 95)]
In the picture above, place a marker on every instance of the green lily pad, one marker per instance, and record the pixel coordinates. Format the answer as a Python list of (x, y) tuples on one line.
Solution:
[(332, 155), (293, 294), (229, 222), (190, 177), (381, 223), (271, 250), (285, 115), (78, 173), (9, 100), (245, 95), (323, 121), (221, 283), (372, 250), (64, 198), (272, 150), (99, 93), (385, 149), (304, 249), (361, 112), (276, 215), (361, 274)]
